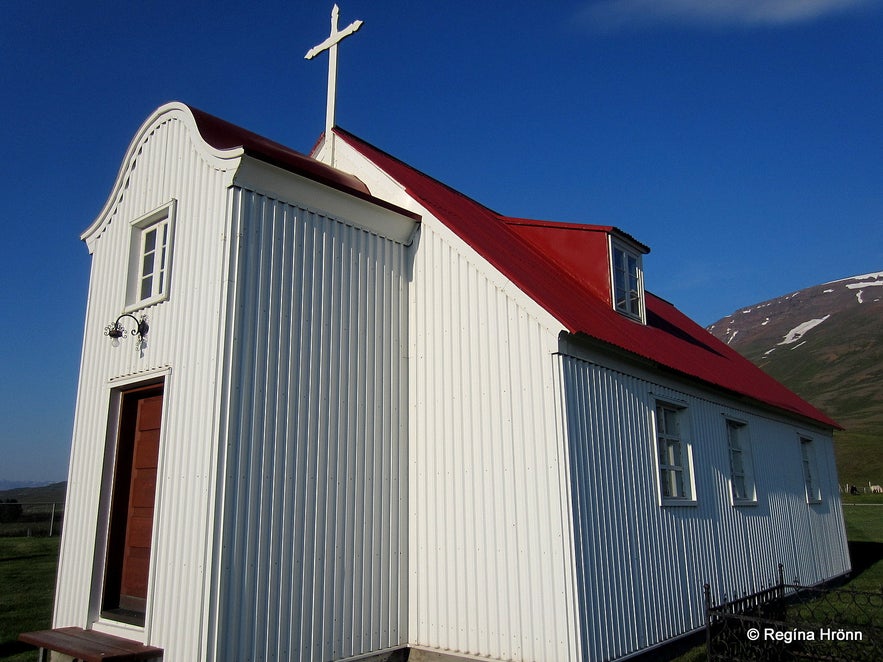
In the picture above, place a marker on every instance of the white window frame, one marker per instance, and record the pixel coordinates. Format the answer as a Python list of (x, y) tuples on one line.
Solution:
[(739, 452), (810, 469), (627, 297), (668, 468), (162, 222)]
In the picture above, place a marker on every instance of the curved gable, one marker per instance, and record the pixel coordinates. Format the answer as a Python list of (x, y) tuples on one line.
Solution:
[(173, 116)]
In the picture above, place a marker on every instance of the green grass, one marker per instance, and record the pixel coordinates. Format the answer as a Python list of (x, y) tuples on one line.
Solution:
[(27, 588), (859, 454), (864, 523)]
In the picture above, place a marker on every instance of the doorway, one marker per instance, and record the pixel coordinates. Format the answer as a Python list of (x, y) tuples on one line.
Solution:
[(127, 566)]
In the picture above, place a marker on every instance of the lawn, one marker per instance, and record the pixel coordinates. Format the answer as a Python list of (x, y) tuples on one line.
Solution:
[(864, 530), (27, 586)]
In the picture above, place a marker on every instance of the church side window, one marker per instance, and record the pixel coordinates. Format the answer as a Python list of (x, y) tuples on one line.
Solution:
[(741, 473), (150, 258), (810, 470), (673, 454)]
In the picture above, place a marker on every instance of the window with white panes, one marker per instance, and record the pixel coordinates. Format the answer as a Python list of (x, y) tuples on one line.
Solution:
[(741, 469), (150, 258), (810, 470), (673, 452), (628, 282)]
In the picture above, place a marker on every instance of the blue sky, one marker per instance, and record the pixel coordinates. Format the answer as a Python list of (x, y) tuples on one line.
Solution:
[(741, 140)]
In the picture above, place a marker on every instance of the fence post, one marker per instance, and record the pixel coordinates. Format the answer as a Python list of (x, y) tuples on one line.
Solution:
[(51, 520), (706, 590), (781, 592)]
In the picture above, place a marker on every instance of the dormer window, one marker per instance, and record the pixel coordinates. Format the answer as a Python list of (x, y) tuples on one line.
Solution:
[(627, 278)]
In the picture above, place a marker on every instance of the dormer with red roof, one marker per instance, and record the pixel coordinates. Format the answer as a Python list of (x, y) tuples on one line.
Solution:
[(603, 259)]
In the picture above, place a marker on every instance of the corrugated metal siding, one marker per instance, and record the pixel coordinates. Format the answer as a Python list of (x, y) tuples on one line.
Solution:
[(641, 566), (314, 550), (167, 164), (490, 555)]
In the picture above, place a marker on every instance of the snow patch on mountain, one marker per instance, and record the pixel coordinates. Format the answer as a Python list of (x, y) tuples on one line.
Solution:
[(861, 287), (871, 276), (800, 330), (856, 286)]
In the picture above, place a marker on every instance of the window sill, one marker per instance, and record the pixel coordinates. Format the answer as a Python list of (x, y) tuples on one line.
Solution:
[(668, 503), (639, 318), (126, 616), (146, 303)]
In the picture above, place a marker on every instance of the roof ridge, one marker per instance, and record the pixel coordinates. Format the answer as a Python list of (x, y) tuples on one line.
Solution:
[(435, 180)]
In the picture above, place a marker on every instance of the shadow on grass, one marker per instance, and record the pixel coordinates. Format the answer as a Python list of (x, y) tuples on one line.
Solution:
[(10, 648), (864, 554)]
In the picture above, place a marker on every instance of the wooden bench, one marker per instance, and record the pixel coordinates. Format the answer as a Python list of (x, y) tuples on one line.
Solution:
[(89, 645)]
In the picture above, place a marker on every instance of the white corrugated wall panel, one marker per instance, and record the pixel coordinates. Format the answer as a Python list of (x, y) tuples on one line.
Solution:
[(641, 566), (490, 553), (314, 547), (167, 164)]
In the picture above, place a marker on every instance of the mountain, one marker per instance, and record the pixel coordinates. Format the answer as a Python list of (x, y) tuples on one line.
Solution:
[(51, 493), (17, 484), (826, 344)]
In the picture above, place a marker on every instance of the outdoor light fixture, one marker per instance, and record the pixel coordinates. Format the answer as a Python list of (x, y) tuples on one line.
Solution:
[(115, 330)]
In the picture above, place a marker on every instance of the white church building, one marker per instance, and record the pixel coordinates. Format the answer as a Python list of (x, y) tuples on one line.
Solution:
[(331, 409)]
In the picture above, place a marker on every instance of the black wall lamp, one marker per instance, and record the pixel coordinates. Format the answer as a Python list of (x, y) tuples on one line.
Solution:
[(115, 331)]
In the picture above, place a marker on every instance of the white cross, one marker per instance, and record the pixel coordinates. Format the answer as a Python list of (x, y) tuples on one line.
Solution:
[(330, 45)]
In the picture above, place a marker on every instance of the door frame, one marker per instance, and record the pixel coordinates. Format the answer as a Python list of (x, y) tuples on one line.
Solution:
[(118, 389)]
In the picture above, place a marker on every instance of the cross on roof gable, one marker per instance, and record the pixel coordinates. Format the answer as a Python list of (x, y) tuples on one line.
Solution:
[(330, 44)]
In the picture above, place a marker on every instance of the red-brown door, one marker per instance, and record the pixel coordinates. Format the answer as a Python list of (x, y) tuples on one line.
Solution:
[(131, 521), (136, 555)]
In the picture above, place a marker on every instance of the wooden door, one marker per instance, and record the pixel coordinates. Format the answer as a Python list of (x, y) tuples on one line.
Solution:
[(134, 492), (142, 491)]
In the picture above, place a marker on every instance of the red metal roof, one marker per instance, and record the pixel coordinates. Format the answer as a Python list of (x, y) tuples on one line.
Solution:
[(669, 338), (221, 134)]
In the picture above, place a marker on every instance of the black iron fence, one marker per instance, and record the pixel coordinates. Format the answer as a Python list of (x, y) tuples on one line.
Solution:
[(793, 622)]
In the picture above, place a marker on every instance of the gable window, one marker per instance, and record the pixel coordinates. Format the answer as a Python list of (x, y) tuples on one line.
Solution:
[(810, 472), (628, 281), (150, 254), (741, 473), (673, 453)]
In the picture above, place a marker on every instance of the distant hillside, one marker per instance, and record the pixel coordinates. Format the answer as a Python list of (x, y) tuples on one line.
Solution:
[(826, 344), (15, 484), (54, 493)]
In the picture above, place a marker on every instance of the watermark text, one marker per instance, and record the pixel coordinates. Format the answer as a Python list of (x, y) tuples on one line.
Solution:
[(793, 634)]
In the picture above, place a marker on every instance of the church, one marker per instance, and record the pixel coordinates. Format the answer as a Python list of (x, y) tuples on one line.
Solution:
[(330, 408)]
